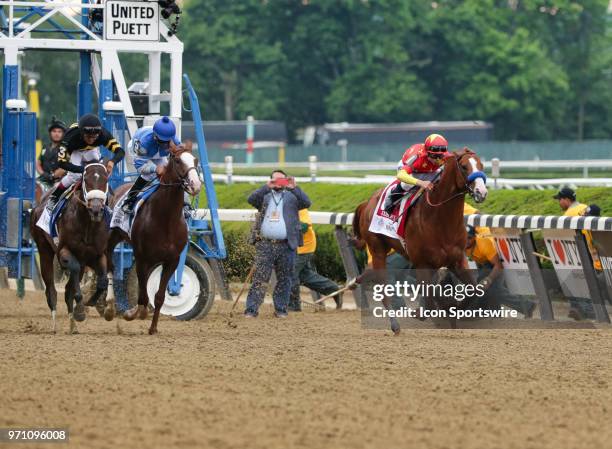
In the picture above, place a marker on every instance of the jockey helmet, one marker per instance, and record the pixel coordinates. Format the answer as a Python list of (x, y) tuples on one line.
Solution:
[(56, 124), (90, 124), (164, 130), (435, 143)]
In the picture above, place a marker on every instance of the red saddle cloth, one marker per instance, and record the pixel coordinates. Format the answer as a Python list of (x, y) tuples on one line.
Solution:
[(399, 213)]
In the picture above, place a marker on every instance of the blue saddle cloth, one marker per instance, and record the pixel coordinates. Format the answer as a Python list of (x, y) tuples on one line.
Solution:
[(146, 193), (55, 214), (141, 198)]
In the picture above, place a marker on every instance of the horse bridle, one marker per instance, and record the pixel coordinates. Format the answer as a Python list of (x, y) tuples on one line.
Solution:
[(184, 181), (466, 188), (95, 193)]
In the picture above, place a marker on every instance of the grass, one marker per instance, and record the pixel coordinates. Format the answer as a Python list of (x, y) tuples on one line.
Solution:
[(344, 198), (506, 173)]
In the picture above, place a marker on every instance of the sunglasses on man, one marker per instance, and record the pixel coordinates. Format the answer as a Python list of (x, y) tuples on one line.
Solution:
[(162, 143)]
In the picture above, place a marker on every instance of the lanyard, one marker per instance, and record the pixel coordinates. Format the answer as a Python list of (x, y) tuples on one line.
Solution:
[(276, 203)]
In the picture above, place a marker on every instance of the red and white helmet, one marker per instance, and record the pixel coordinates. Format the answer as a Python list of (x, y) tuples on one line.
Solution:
[(435, 143)]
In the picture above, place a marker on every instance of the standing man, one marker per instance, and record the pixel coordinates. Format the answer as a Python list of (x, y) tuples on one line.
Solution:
[(47, 165), (276, 235), (305, 272), (580, 308)]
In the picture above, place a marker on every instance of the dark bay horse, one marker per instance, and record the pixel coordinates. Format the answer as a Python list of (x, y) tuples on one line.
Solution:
[(434, 235), (159, 231), (83, 236)]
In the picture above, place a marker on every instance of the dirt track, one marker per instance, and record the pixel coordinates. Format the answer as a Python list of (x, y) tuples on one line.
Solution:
[(316, 380)]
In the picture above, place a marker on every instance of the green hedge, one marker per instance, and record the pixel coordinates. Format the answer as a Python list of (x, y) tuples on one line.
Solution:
[(344, 198)]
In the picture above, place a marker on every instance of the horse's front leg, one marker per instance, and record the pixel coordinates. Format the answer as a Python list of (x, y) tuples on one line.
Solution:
[(102, 289), (467, 277), (167, 271), (424, 277), (73, 288)]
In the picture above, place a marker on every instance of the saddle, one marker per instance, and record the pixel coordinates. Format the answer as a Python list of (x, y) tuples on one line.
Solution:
[(124, 221), (393, 200)]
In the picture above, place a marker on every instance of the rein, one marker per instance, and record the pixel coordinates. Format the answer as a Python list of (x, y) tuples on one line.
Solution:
[(466, 188), (183, 179)]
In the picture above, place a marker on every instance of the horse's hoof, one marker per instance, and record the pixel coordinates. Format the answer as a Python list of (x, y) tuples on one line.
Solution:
[(396, 333), (142, 313), (130, 314), (109, 312), (152, 331), (73, 327), (79, 312)]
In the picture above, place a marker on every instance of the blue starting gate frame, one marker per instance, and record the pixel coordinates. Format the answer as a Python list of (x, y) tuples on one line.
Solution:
[(17, 174), (17, 190), (217, 249)]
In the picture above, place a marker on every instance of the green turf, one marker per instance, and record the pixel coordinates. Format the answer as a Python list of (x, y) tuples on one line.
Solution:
[(506, 173), (344, 198)]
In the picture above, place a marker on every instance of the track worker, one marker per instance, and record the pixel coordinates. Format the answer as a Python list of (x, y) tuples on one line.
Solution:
[(79, 146), (419, 158), (47, 164), (482, 251), (149, 148), (305, 272), (580, 308), (276, 234)]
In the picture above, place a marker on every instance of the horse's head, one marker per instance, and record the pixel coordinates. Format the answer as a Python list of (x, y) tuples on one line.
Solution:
[(185, 165), (470, 175), (95, 189)]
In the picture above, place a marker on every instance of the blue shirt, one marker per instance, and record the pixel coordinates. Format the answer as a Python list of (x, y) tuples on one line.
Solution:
[(145, 146), (273, 224)]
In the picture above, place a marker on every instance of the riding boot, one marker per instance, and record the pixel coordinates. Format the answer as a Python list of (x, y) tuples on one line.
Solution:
[(54, 197), (394, 197), (130, 201)]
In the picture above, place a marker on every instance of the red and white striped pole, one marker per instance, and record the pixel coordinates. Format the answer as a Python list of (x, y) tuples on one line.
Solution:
[(249, 142)]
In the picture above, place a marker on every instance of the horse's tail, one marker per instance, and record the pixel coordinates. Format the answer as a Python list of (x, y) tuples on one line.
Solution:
[(359, 242)]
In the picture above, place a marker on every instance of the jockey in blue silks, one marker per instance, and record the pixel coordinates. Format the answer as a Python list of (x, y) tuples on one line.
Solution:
[(149, 147)]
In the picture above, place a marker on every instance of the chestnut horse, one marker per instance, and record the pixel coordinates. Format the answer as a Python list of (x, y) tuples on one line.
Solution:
[(159, 231), (83, 235), (434, 234)]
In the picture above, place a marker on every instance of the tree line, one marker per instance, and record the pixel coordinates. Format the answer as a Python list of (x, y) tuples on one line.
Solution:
[(536, 69)]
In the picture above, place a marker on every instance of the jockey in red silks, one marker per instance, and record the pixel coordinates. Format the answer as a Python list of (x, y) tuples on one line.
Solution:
[(419, 158)]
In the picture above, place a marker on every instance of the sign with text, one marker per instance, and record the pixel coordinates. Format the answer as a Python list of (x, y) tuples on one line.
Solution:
[(563, 251), (512, 256), (602, 241), (131, 21)]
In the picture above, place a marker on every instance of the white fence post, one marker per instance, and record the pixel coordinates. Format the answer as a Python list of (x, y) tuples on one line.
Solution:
[(229, 168), (343, 144), (495, 171), (312, 163)]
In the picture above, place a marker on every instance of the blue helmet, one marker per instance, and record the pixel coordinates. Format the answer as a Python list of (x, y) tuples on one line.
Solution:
[(164, 129)]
